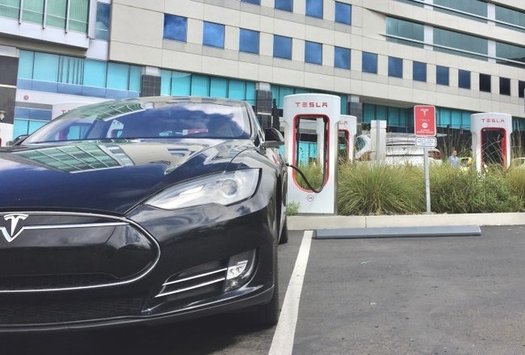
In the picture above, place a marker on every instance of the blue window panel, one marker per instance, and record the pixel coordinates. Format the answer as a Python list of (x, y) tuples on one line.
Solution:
[(368, 113), (395, 67), (275, 95), (20, 127), (285, 5), (343, 13), (250, 92), (102, 24), (25, 65), (465, 119), (285, 91), (135, 75), (33, 113), (442, 77), (165, 82), (344, 104), (175, 27), (369, 62), (95, 72), (464, 79), (282, 47), (70, 70), (180, 84), (218, 87), (23, 84), (200, 85), (342, 58), (237, 90), (46, 68), (255, 2), (213, 34), (34, 125), (93, 91), (456, 121), (313, 52), (314, 8), (419, 71), (44, 86), (249, 41), (118, 76), (70, 89)]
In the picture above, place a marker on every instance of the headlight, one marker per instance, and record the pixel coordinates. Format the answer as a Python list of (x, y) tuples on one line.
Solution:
[(224, 189)]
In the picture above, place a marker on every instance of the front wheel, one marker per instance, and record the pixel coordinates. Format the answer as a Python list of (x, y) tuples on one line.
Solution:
[(284, 233), (267, 315)]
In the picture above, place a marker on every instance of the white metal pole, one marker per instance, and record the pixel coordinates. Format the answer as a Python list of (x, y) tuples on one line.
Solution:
[(427, 179)]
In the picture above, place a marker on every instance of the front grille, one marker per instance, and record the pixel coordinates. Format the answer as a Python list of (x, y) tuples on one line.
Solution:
[(202, 281), (49, 282), (53, 311)]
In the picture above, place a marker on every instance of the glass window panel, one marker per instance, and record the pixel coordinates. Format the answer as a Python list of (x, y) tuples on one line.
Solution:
[(249, 41), (250, 92), (25, 65), (369, 62), (342, 58), (118, 76), (78, 15), (286, 5), (34, 125), (514, 17), (213, 34), (71, 70), (165, 82), (442, 75), (236, 89), (47, 68), (314, 8), (135, 75), (405, 29), (313, 52), (102, 24), (175, 27), (180, 84), (282, 47), (475, 7), (460, 41), (95, 73), (464, 79), (455, 119), (395, 67), (56, 13), (218, 87), (419, 71), (200, 85), (255, 2), (368, 112), (9, 8), (20, 127), (504, 86), (509, 51), (33, 11), (521, 88), (343, 13), (484, 82)]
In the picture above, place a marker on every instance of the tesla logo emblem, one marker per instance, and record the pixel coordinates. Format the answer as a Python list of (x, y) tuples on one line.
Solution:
[(13, 219)]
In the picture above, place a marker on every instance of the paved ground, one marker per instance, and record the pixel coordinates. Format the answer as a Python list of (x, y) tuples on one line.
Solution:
[(369, 296)]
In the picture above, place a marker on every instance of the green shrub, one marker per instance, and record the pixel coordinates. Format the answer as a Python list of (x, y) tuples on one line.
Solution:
[(365, 189), (292, 208), (516, 183)]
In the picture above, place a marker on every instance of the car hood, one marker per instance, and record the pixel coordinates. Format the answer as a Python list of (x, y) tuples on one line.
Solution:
[(106, 177)]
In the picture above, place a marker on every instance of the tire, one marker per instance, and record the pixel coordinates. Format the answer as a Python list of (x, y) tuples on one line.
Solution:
[(267, 315), (284, 233)]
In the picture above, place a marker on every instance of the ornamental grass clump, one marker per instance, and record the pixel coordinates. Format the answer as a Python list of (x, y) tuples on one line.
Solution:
[(370, 189), (313, 174)]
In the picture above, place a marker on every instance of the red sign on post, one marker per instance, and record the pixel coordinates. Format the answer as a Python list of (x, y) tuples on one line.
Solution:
[(425, 121)]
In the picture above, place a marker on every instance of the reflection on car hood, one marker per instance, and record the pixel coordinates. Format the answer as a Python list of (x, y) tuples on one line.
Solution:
[(104, 176)]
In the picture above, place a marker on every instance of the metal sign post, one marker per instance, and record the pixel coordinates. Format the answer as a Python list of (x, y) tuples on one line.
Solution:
[(425, 130)]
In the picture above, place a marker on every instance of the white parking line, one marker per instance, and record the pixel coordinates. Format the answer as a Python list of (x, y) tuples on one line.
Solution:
[(282, 343)]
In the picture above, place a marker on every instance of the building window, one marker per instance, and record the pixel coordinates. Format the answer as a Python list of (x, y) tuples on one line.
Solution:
[(102, 25), (405, 32), (442, 75), (395, 67), (466, 45), (78, 15), (343, 13), (369, 62), (175, 27), (342, 58), (9, 8), (484, 82), (463, 7), (255, 2), (464, 79), (521, 88), (285, 5), (419, 71), (33, 11), (313, 52), (504, 86), (314, 8), (56, 13), (510, 16), (249, 41), (213, 35), (282, 47), (509, 51)]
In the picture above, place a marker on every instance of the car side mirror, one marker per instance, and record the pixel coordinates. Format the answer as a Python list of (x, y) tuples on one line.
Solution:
[(17, 140), (272, 138)]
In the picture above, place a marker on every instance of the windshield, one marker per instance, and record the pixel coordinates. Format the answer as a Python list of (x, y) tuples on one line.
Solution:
[(132, 120)]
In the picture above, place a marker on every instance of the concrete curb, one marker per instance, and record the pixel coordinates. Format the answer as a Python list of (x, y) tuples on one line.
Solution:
[(332, 222)]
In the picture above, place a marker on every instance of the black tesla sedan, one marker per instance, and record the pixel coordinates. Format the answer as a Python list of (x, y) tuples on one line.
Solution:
[(142, 210)]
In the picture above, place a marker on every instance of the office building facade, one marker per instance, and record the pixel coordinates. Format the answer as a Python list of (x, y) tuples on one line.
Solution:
[(381, 57)]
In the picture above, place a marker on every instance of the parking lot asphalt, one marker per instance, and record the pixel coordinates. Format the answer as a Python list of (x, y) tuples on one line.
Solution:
[(444, 295)]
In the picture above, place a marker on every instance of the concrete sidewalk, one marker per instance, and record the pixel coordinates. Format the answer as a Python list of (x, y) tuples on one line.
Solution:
[(332, 222)]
